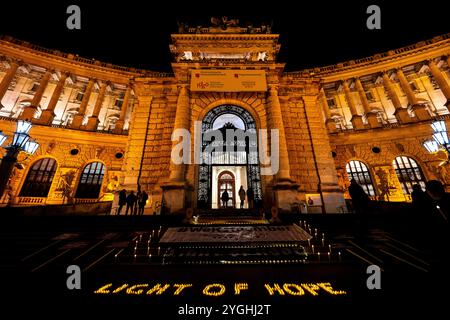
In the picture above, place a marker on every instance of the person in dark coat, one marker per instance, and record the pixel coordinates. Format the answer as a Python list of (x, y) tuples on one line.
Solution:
[(360, 200), (142, 202), (225, 197), (440, 200), (122, 200), (250, 197), (421, 201), (242, 196), (131, 200)]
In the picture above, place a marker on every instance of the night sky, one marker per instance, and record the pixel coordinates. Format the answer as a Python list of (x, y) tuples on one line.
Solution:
[(136, 33)]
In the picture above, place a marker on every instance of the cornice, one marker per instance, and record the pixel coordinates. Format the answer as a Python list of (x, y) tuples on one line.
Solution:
[(420, 51), (40, 56)]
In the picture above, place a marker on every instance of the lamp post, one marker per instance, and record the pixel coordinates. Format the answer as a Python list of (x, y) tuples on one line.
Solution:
[(21, 142)]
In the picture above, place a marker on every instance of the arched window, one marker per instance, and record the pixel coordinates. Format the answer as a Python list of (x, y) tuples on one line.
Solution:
[(91, 181), (358, 170), (39, 178), (408, 173)]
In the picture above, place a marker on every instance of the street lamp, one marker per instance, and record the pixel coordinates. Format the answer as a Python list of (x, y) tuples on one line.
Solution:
[(440, 133), (440, 138), (21, 142)]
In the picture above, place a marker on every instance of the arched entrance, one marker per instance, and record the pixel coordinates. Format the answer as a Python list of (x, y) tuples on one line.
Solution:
[(229, 142), (226, 182)]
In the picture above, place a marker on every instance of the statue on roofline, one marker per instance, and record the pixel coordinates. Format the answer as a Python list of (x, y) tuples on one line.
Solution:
[(224, 23)]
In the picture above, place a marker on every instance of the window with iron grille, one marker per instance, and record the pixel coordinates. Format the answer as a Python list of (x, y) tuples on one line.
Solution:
[(358, 170), (39, 178), (91, 181), (408, 173)]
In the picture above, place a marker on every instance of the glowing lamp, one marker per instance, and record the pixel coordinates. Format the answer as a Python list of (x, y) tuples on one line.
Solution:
[(3, 137), (440, 132), (431, 145), (31, 146)]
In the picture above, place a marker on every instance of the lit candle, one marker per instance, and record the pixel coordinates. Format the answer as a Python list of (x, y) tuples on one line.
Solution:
[(318, 255), (309, 243), (339, 253), (329, 257), (312, 248), (329, 248)]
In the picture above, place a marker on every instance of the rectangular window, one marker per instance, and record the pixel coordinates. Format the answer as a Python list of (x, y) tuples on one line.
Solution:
[(80, 96), (331, 103), (370, 96)]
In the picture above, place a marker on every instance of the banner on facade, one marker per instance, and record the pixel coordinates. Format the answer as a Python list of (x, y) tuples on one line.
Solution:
[(228, 80)]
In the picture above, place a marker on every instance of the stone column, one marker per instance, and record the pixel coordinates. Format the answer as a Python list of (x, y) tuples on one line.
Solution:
[(442, 82), (275, 120), (371, 116), (401, 114), (30, 111), (48, 114), (123, 111), (322, 159), (356, 119), (93, 120), (420, 111), (330, 123), (6, 81), (176, 189), (79, 117)]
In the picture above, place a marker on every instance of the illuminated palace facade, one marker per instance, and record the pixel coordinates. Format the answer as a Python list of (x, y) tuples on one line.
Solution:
[(103, 127)]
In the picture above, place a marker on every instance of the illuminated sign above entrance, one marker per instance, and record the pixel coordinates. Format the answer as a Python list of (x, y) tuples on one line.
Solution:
[(228, 80)]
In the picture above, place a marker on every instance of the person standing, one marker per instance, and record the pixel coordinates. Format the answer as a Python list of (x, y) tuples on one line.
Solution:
[(250, 197), (225, 197), (131, 200), (142, 202), (122, 200), (242, 196), (360, 203)]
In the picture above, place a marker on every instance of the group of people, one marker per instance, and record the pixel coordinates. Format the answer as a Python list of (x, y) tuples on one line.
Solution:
[(135, 203), (434, 201), (225, 197)]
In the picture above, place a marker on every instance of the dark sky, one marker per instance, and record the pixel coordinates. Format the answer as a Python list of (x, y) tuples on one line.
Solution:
[(136, 33)]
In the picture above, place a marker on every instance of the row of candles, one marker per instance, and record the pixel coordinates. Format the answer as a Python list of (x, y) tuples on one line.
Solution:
[(315, 236)]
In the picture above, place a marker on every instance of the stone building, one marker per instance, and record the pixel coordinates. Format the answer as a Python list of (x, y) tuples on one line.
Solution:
[(103, 127)]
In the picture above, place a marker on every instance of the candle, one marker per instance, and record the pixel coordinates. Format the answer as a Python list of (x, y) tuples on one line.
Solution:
[(329, 248), (309, 243), (318, 255), (312, 248), (329, 257), (339, 253)]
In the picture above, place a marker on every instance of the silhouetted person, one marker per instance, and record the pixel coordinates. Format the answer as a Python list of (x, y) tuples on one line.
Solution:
[(440, 200), (360, 200), (136, 203), (242, 196), (122, 200), (225, 197), (142, 202), (421, 201), (131, 200), (250, 197)]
